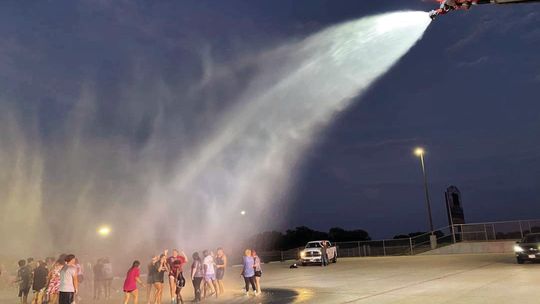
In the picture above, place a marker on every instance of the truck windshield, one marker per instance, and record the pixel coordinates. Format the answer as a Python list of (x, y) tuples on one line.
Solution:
[(313, 245)]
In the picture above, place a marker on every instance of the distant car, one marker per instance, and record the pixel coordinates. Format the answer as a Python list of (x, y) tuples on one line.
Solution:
[(527, 248), (312, 253)]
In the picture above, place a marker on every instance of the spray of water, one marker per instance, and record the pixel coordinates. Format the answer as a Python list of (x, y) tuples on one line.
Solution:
[(246, 163)]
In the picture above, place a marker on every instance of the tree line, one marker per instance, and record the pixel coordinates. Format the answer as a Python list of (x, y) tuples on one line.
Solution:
[(298, 237)]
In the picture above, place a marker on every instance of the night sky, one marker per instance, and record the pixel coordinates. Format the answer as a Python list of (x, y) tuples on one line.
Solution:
[(467, 93)]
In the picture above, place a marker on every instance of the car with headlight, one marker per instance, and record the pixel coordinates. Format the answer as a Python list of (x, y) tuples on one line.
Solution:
[(528, 248), (312, 253)]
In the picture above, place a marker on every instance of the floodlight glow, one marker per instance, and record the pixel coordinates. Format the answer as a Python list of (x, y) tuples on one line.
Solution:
[(104, 231), (518, 248), (419, 152), (243, 212)]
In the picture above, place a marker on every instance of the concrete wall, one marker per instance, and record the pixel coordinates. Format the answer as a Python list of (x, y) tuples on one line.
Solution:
[(475, 247)]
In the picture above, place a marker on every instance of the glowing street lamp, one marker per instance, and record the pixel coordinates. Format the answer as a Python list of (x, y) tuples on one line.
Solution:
[(243, 212), (104, 231), (420, 153)]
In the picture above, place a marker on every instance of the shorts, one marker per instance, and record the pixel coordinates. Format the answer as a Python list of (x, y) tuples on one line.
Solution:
[(220, 273), (24, 291), (210, 277), (130, 291), (66, 297)]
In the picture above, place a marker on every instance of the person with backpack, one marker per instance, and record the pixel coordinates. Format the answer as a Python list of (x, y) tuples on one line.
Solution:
[(177, 273)]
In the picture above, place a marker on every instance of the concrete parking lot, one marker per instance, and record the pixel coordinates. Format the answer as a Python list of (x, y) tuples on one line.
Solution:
[(487, 278)]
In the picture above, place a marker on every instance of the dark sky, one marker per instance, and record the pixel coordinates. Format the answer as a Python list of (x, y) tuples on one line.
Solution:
[(467, 92)]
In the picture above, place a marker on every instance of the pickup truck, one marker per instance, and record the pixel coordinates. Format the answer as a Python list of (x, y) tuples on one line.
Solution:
[(312, 253)]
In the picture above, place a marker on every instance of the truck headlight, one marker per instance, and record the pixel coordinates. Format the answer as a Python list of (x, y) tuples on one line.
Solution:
[(518, 248), (302, 254)]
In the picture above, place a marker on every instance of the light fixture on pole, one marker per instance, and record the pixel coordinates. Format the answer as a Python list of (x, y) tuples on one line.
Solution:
[(420, 153)]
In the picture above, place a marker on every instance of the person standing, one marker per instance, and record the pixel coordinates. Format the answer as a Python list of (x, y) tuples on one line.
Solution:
[(221, 264), (54, 279), (209, 274), (69, 284), (248, 272), (98, 279), (180, 281), (107, 276), (130, 283), (172, 281), (258, 271), (40, 282), (324, 250), (161, 268), (24, 278), (197, 275), (150, 280)]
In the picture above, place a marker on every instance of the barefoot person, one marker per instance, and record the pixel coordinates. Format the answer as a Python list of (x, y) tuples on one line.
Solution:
[(197, 274), (161, 268), (130, 283), (172, 281), (221, 264), (179, 279), (248, 272), (258, 271), (210, 282), (150, 280)]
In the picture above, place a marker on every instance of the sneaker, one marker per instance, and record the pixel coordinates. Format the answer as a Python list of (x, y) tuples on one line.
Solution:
[(247, 293)]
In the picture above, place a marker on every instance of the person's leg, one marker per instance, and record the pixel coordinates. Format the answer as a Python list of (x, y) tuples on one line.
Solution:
[(126, 297), (149, 293), (246, 284), (197, 286), (252, 282), (179, 295), (172, 288), (135, 296), (215, 286), (258, 284), (221, 286)]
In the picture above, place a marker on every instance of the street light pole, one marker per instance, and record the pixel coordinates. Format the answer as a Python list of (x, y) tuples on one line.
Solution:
[(432, 238), (426, 190)]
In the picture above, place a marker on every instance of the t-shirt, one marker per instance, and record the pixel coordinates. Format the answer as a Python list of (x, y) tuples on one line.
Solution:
[(209, 262), (25, 277), (67, 274), (130, 283), (174, 271), (107, 271), (196, 267), (248, 266), (40, 278)]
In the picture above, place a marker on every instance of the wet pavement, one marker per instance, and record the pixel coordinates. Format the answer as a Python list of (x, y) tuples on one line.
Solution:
[(491, 278)]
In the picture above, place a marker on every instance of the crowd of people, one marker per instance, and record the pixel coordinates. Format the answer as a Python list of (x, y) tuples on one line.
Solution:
[(57, 281)]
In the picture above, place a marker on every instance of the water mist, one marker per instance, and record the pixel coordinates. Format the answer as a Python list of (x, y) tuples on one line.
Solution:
[(246, 163)]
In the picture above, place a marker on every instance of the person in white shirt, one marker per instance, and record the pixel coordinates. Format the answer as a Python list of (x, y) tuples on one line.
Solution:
[(69, 283), (209, 268)]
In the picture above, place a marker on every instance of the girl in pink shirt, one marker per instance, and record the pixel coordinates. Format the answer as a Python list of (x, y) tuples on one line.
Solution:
[(130, 284)]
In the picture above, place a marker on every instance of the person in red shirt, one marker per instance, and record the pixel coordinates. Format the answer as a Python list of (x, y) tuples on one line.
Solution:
[(130, 284), (173, 281)]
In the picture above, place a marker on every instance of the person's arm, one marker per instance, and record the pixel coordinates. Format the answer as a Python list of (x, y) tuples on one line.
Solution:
[(205, 267), (138, 279), (186, 260), (224, 261), (76, 281)]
